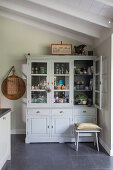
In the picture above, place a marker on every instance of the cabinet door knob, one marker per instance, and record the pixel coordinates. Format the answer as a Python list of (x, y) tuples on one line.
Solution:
[(52, 127), (38, 112), (61, 112), (84, 111), (4, 118), (48, 126)]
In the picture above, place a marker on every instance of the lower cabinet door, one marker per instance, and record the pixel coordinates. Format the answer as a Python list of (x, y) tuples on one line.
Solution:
[(4, 139), (39, 126), (61, 126)]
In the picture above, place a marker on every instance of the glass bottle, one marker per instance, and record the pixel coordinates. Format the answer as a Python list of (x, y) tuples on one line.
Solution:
[(62, 69), (57, 69)]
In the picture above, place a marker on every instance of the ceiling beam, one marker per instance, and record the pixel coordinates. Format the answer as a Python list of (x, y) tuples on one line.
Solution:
[(87, 16), (58, 20), (106, 2)]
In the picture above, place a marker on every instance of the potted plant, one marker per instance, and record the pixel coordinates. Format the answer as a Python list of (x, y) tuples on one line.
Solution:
[(81, 99)]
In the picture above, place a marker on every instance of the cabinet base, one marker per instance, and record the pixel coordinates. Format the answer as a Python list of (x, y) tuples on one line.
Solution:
[(30, 139)]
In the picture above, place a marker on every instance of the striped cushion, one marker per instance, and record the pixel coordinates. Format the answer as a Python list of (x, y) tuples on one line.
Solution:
[(87, 126)]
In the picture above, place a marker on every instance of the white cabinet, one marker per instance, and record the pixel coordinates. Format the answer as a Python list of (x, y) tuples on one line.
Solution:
[(85, 114), (54, 127), (61, 126), (39, 125), (5, 141), (61, 122), (49, 83), (38, 81), (59, 91)]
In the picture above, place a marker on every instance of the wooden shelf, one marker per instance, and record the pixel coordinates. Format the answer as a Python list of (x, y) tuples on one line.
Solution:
[(83, 74), (84, 90), (38, 90), (61, 74), (38, 74), (61, 90)]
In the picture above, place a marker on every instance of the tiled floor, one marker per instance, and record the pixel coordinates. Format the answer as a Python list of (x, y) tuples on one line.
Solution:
[(55, 156)]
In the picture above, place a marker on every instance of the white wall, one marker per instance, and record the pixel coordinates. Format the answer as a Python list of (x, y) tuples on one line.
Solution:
[(103, 48), (16, 39)]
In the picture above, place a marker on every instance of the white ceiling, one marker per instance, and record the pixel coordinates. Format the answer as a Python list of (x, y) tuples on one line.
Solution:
[(99, 7), (73, 18)]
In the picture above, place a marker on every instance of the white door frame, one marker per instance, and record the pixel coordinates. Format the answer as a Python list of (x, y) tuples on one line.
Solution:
[(111, 154)]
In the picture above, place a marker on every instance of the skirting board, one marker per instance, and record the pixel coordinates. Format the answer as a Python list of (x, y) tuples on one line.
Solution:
[(3, 160), (108, 150), (18, 131)]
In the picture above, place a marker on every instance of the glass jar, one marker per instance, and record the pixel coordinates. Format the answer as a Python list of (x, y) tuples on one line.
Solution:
[(32, 70), (42, 70), (36, 70), (81, 87)]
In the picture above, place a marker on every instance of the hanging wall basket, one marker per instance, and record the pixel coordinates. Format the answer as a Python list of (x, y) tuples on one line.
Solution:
[(13, 87)]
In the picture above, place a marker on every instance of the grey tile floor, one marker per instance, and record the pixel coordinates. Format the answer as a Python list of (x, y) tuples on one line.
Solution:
[(55, 156)]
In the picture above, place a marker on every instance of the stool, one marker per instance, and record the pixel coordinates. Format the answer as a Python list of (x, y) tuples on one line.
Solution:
[(86, 128)]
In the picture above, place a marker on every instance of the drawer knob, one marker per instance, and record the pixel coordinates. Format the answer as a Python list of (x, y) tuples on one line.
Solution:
[(4, 118), (61, 112), (38, 112), (84, 111), (48, 126)]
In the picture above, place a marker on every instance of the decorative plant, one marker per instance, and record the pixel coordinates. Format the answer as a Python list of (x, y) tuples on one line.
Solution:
[(80, 97)]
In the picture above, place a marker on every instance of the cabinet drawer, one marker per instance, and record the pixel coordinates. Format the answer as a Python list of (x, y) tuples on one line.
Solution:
[(62, 112), (85, 111), (38, 111), (85, 119)]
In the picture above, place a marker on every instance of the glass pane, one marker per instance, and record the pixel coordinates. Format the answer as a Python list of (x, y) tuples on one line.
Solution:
[(38, 82), (38, 97), (97, 98), (83, 83), (83, 98), (61, 82), (97, 66), (83, 67), (97, 82), (38, 68), (61, 68), (61, 97)]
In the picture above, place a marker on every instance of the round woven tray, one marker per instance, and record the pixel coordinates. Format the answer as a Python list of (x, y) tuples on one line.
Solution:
[(13, 87)]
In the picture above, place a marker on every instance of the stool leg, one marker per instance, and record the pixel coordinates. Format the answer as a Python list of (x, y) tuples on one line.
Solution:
[(94, 139), (77, 141), (97, 141), (75, 138)]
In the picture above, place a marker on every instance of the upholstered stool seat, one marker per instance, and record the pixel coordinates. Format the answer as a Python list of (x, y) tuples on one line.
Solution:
[(86, 128)]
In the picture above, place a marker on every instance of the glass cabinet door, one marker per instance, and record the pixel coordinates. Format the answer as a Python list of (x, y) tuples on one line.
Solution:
[(61, 83), (83, 82), (38, 82), (98, 82)]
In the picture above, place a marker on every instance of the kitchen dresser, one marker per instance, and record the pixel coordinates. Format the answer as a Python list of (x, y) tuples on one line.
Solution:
[(61, 91)]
